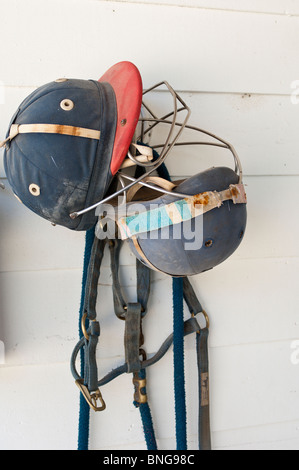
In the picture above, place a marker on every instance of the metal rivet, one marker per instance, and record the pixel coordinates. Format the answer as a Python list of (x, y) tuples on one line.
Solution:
[(123, 122), (34, 189), (67, 105), (60, 80), (209, 243)]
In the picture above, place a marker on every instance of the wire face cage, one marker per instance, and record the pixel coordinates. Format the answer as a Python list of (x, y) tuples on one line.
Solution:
[(143, 154)]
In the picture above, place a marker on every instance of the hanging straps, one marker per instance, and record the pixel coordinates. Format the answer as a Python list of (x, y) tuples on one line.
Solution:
[(84, 409), (88, 379), (92, 261), (88, 384), (204, 436), (132, 314), (195, 308), (178, 364)]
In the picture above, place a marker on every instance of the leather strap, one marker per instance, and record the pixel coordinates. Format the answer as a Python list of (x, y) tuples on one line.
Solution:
[(16, 129), (190, 297), (91, 289), (190, 326), (132, 313), (204, 434), (91, 370), (132, 336), (161, 182), (204, 437)]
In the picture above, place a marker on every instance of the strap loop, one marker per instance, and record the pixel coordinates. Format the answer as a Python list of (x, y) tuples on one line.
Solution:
[(143, 282), (90, 345), (132, 337)]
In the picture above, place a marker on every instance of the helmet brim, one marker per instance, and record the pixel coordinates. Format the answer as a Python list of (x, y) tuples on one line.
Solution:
[(125, 79)]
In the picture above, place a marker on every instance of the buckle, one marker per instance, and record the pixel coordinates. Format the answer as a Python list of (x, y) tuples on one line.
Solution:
[(139, 385), (91, 398)]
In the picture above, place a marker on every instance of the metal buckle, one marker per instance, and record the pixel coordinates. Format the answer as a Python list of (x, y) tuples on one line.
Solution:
[(206, 317), (139, 396), (91, 398), (84, 316)]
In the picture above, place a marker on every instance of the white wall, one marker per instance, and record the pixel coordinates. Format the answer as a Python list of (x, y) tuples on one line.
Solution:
[(234, 63)]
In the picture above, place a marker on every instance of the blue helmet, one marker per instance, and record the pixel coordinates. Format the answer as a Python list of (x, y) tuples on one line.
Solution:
[(68, 139), (70, 143), (189, 235)]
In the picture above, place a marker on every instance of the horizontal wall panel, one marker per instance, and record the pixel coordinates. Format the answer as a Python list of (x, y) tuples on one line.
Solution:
[(40, 310), (30, 243), (235, 64), (228, 56), (270, 230), (274, 436), (38, 404), (262, 129), (285, 7), (259, 402), (39, 316), (241, 394), (242, 299), (253, 385), (250, 301), (242, 376)]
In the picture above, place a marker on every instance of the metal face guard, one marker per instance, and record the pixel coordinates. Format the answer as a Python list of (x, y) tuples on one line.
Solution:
[(175, 130)]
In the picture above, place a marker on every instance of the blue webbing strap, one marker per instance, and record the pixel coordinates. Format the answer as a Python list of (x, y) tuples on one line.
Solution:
[(178, 360), (84, 411), (146, 417), (178, 348)]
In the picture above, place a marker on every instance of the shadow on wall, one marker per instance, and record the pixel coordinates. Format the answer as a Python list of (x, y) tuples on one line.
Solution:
[(2, 310)]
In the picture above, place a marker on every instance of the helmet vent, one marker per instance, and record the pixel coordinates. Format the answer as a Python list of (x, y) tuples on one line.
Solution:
[(67, 105), (34, 189)]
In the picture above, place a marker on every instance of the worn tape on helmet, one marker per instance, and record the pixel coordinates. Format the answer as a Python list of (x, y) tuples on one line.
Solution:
[(179, 211)]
